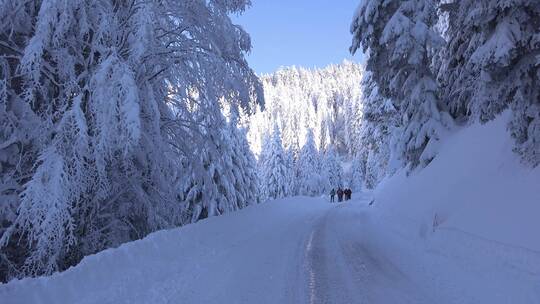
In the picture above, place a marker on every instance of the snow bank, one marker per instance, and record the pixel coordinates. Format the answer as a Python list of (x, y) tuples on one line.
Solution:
[(476, 185), (470, 220), (230, 257)]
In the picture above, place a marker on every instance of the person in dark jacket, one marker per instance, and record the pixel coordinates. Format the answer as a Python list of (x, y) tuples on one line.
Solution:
[(332, 194), (340, 194), (348, 193)]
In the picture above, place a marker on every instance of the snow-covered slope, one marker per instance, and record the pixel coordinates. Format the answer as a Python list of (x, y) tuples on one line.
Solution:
[(476, 184), (471, 219)]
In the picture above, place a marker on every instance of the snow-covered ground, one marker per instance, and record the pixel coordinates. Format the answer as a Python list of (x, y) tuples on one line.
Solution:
[(464, 230), (470, 219), (251, 256)]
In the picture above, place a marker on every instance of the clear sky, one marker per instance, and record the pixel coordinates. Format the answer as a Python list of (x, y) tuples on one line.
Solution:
[(310, 33)]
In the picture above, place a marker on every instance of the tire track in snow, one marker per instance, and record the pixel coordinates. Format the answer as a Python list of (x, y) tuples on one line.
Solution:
[(340, 266), (311, 274), (326, 276)]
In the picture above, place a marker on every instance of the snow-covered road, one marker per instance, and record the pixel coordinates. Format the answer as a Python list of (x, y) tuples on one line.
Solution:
[(297, 250), (340, 266)]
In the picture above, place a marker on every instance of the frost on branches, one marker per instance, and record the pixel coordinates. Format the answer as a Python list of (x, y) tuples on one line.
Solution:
[(310, 181), (492, 64), (399, 40), (318, 113), (229, 181), (332, 171), (101, 108), (378, 131), (326, 101), (488, 62), (275, 168)]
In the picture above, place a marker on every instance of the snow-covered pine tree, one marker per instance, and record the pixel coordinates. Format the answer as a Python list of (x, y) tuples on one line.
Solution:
[(96, 104), (332, 171), (229, 181), (262, 160), (244, 167), (71, 60), (324, 139), (356, 175), (292, 161), (399, 41), (378, 124), (492, 64), (310, 181), (456, 77), (212, 192), (353, 122), (275, 168)]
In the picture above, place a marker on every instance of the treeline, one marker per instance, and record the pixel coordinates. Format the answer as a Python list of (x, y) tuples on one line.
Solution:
[(111, 124), (326, 101), (310, 125), (311, 172)]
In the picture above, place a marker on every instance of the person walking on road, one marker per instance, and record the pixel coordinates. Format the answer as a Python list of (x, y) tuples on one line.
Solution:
[(340, 194), (345, 194), (332, 195)]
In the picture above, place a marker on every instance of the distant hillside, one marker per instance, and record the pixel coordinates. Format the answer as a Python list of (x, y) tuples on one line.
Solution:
[(327, 101)]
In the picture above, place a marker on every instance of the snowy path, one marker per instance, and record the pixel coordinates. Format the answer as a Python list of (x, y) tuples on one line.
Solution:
[(298, 250), (341, 267)]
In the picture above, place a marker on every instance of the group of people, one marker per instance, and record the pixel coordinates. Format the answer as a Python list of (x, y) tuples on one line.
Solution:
[(342, 194)]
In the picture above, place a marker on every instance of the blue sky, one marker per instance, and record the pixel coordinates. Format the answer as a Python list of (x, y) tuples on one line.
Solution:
[(310, 33)]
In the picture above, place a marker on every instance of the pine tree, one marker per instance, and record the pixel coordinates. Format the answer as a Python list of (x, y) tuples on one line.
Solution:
[(399, 39), (332, 170), (211, 191), (310, 181), (275, 168), (377, 131), (491, 64), (245, 167), (357, 173), (96, 105)]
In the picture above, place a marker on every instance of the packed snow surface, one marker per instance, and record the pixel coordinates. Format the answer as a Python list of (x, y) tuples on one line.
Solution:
[(463, 230)]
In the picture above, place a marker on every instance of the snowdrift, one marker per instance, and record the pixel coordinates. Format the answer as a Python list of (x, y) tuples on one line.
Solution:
[(476, 185), (471, 219)]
